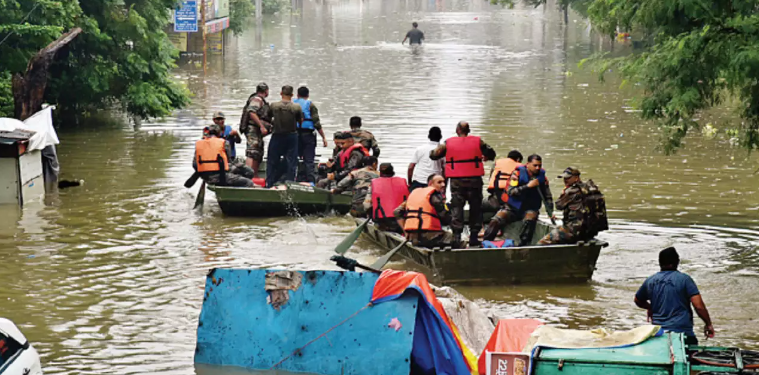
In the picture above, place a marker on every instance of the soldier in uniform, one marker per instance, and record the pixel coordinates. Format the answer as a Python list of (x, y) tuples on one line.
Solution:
[(423, 215), (255, 123), (211, 161), (349, 159), (364, 137), (359, 182), (584, 211), (385, 194), (464, 164)]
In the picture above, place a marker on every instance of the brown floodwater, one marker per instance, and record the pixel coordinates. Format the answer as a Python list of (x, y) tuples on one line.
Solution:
[(108, 277)]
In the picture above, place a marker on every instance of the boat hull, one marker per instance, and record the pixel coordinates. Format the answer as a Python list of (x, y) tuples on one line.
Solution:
[(292, 201), (507, 266)]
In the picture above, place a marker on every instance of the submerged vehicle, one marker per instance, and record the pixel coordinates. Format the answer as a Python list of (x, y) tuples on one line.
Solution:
[(17, 355)]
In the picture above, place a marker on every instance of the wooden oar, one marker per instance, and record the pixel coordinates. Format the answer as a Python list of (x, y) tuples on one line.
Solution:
[(381, 262), (191, 181), (348, 241), (201, 196)]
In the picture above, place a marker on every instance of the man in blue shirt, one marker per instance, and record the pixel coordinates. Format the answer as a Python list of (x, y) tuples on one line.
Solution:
[(668, 294)]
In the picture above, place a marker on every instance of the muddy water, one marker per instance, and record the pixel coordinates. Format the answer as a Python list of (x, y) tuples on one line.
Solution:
[(107, 277)]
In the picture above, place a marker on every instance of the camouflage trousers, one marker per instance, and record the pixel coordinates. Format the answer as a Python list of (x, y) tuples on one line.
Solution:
[(466, 190), (388, 225), (255, 146), (562, 235), (509, 215), (213, 178), (432, 239)]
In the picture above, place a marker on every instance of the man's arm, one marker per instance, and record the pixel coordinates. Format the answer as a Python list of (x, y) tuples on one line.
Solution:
[(317, 123), (438, 152), (703, 313), (400, 214), (487, 152), (514, 188), (411, 172), (368, 201), (404, 39), (344, 184), (353, 163), (438, 202), (547, 198), (255, 105), (375, 147)]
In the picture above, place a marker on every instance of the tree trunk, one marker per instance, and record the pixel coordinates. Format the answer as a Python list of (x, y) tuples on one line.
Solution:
[(29, 89)]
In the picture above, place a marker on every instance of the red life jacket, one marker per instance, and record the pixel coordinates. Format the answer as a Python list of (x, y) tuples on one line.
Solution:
[(501, 175), (463, 157), (387, 194), (420, 214), (346, 154)]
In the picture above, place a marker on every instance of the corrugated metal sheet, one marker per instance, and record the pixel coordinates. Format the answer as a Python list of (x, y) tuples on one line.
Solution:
[(239, 327)]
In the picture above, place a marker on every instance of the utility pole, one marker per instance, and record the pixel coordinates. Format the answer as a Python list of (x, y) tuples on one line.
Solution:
[(259, 9)]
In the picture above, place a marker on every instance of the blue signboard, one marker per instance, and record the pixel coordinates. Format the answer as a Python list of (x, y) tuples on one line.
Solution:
[(186, 17)]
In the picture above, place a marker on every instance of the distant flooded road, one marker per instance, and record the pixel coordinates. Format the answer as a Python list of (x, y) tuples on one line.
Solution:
[(108, 277)]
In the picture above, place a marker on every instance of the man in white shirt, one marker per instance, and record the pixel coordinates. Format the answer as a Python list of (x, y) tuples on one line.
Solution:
[(422, 166)]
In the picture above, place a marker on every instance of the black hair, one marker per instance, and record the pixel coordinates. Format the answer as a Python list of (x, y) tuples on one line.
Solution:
[(355, 122), (534, 157), (668, 258), (515, 155), (414, 24), (435, 134), (368, 161), (303, 92), (430, 177), (464, 126), (287, 90)]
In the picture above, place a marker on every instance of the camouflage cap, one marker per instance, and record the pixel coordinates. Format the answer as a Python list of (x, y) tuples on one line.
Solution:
[(343, 135), (261, 87), (569, 172), (214, 129), (386, 169), (218, 114)]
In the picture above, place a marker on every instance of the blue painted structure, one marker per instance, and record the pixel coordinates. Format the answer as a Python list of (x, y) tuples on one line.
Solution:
[(238, 327), (186, 17)]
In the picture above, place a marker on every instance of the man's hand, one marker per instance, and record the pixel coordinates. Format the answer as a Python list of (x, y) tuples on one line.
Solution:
[(234, 133), (330, 164), (331, 176), (553, 218), (533, 183), (263, 130), (709, 331), (333, 191), (324, 142), (649, 316)]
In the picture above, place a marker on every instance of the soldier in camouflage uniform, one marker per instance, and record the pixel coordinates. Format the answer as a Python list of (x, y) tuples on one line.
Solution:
[(359, 182), (255, 123), (431, 239), (215, 178), (338, 172), (575, 226), (364, 137)]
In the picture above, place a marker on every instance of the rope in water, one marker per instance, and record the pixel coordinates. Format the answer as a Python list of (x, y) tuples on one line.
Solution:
[(296, 351)]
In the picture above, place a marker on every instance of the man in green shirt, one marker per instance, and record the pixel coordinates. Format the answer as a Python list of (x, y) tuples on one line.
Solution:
[(287, 116)]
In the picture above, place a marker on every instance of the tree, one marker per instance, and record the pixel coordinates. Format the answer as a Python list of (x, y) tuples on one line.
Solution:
[(239, 12), (123, 56), (703, 53)]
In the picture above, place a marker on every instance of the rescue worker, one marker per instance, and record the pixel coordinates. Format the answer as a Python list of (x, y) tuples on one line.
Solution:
[(584, 211), (423, 215), (668, 295), (499, 181), (255, 124), (359, 182), (211, 161), (465, 157), (384, 195), (232, 137), (350, 158), (421, 165), (528, 191), (306, 136), (282, 156), (364, 137)]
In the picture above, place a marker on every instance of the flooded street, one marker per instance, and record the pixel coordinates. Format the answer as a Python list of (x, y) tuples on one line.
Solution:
[(108, 277)]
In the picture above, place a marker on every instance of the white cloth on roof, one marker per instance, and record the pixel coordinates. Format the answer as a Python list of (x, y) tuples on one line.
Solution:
[(9, 124), (42, 123)]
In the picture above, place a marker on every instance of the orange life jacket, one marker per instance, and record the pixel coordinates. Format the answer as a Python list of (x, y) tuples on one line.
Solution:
[(346, 154), (387, 194), (499, 180), (420, 215), (207, 154), (463, 157)]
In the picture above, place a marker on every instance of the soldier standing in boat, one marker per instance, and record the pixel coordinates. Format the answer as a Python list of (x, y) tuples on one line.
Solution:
[(364, 137), (423, 215), (255, 124), (668, 295), (359, 182), (528, 191), (465, 158), (385, 194), (306, 136), (584, 211)]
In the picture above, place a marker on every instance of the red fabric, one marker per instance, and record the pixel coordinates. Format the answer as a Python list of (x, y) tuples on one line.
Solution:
[(346, 154), (510, 335), (387, 193), (463, 157), (259, 181)]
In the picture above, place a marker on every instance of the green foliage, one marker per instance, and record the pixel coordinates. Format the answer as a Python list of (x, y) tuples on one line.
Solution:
[(239, 12), (703, 53), (274, 6), (6, 95), (123, 55)]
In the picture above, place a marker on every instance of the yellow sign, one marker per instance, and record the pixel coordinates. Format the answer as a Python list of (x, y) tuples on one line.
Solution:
[(215, 43), (179, 40)]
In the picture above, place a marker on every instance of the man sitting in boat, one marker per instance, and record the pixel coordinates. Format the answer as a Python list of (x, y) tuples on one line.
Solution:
[(384, 195), (236, 166), (359, 182), (584, 211), (211, 161), (350, 158), (365, 137), (528, 190), (499, 181), (423, 215)]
